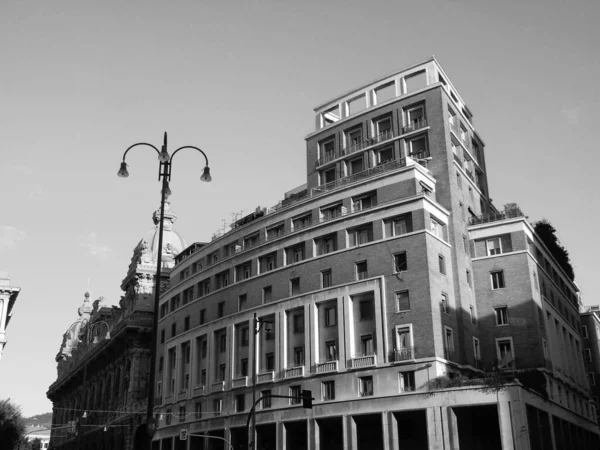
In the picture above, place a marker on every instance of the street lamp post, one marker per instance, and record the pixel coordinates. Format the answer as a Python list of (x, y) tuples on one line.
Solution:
[(164, 174), (257, 326)]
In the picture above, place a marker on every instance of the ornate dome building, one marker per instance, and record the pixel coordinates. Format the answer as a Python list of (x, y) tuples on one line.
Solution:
[(100, 393)]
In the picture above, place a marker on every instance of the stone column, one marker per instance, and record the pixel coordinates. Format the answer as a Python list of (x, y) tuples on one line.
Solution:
[(434, 429), (505, 424)]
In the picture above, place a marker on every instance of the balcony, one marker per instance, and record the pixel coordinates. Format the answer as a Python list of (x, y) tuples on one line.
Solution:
[(199, 390), (182, 394), (239, 382), (265, 377), (489, 218), (358, 362), (169, 398), (294, 372), (416, 125), (219, 386), (327, 366), (392, 165), (402, 354)]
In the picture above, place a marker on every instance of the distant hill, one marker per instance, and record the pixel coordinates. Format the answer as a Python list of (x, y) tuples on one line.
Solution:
[(41, 420)]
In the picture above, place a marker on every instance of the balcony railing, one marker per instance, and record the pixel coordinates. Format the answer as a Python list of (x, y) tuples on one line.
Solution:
[(395, 164), (239, 382), (382, 137), (488, 218), (327, 366), (218, 386), (414, 126), (199, 390), (402, 354), (265, 377), (363, 361), (294, 372), (353, 148), (368, 393)]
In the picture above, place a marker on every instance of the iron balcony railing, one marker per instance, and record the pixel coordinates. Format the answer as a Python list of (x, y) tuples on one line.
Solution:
[(402, 354), (395, 164), (496, 217), (414, 126), (357, 146)]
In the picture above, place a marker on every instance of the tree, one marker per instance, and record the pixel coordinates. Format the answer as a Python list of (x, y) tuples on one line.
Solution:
[(547, 233), (12, 426)]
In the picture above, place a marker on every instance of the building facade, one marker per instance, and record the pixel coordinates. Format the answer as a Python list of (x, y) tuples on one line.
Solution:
[(369, 284), (590, 333), (100, 395), (8, 297)]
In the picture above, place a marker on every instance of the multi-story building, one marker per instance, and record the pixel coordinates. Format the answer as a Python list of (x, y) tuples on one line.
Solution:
[(8, 297), (377, 279), (100, 395), (590, 334)]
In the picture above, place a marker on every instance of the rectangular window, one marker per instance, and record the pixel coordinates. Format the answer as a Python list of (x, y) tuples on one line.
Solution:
[(243, 271), (458, 180), (186, 323), (331, 212), (501, 313), (298, 322), (465, 244), (217, 406), (584, 331), (366, 343), (366, 309), (240, 403), (204, 347), (162, 336), (497, 279), (221, 309), (296, 394), (473, 315), (476, 348), (449, 343), (298, 356), (364, 201), (327, 150), (295, 286), (202, 316), (361, 270), (301, 222), (222, 342), (442, 264), (267, 294), (251, 241), (361, 235), (328, 390), (407, 381), (270, 362), (494, 246), (417, 147), (331, 350), (245, 334), (244, 367), (402, 301), (182, 413), (326, 244), (326, 278), (587, 354), (198, 410), (365, 386), (398, 225), (437, 228), (444, 303), (242, 302), (173, 329), (203, 377), (266, 398), (330, 316), (400, 262), (592, 378), (385, 155), (294, 254), (505, 353), (275, 232), (222, 372)]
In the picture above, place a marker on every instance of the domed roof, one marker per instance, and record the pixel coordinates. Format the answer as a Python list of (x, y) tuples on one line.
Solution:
[(173, 243)]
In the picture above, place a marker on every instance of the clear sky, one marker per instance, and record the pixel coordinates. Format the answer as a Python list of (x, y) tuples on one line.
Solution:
[(80, 81)]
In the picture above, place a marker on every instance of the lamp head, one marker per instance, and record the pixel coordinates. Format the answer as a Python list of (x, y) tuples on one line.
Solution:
[(123, 170), (206, 175), (167, 191), (164, 157)]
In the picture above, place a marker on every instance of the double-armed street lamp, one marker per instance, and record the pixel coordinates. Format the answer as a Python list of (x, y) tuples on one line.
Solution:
[(164, 174)]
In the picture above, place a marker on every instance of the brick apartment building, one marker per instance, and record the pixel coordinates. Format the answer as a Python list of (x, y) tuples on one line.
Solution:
[(388, 269)]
